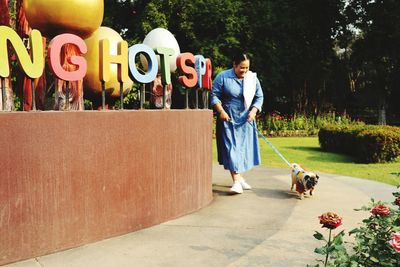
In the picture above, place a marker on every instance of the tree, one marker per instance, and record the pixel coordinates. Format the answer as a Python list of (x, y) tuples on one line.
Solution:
[(293, 41), (375, 51)]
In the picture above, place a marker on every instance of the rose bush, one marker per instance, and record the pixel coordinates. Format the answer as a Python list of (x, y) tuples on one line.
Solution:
[(376, 241)]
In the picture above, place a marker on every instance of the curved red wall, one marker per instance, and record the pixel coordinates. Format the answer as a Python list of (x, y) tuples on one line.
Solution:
[(71, 178)]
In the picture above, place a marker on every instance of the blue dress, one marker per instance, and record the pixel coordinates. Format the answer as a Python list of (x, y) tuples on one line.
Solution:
[(237, 142)]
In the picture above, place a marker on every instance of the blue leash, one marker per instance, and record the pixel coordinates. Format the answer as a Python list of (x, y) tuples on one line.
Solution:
[(268, 142)]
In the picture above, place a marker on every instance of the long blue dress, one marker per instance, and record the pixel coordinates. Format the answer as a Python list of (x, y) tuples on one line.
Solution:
[(237, 142)]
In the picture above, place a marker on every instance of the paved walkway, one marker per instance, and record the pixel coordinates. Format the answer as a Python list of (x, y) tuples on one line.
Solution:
[(267, 226)]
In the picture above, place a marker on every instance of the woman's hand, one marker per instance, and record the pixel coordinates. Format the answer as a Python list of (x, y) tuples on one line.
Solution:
[(252, 115), (223, 116), (221, 113)]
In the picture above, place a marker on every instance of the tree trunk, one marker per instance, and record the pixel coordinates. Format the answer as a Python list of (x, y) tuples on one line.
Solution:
[(24, 85), (382, 109), (8, 92)]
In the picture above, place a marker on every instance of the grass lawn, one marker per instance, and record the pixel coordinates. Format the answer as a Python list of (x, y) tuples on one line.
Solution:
[(306, 152)]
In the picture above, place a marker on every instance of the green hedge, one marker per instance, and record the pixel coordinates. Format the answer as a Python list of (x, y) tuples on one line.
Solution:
[(367, 143)]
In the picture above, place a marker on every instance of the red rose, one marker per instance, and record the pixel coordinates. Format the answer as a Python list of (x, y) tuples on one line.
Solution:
[(330, 220), (381, 210), (395, 242), (397, 201)]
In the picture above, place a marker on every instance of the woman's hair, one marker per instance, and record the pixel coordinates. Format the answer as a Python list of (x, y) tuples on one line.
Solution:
[(238, 58)]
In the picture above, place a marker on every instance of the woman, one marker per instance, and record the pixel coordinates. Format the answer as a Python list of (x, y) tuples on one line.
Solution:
[(236, 97)]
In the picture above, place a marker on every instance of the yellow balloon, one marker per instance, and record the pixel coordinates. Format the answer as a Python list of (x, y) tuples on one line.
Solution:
[(91, 82), (53, 17)]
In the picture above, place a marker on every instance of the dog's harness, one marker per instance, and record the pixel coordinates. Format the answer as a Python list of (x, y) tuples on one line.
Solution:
[(300, 178)]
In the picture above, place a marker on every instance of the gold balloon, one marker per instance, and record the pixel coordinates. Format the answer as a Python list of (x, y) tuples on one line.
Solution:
[(91, 81), (53, 17)]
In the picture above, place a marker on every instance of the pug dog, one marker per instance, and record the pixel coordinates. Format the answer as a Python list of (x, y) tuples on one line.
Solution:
[(304, 180)]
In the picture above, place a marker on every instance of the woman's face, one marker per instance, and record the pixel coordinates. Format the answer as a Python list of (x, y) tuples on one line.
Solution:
[(241, 68)]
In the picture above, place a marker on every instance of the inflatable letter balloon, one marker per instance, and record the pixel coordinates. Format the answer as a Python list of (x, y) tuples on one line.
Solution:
[(53, 17)]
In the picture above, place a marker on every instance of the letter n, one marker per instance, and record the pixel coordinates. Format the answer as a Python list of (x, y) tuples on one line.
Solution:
[(33, 67)]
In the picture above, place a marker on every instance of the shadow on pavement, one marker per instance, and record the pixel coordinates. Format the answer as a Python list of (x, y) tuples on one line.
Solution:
[(274, 193), (224, 190), (221, 190)]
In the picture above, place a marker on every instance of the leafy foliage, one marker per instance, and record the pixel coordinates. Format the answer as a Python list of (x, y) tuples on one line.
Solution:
[(311, 56), (372, 245), (374, 49), (368, 143)]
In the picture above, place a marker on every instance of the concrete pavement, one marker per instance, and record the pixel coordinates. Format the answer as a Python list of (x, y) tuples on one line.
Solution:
[(267, 226)]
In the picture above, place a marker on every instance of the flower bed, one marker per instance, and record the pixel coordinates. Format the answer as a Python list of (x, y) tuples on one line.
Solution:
[(376, 240), (276, 124)]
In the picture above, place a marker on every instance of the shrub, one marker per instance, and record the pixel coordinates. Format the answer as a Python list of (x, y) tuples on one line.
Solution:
[(378, 144), (336, 138), (367, 143)]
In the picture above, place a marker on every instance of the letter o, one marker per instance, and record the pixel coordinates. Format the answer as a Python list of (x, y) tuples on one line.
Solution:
[(152, 63)]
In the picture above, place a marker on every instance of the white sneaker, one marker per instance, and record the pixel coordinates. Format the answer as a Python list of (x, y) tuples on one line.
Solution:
[(237, 188), (244, 185)]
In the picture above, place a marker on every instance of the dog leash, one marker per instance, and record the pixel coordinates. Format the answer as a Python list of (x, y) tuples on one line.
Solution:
[(268, 142)]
